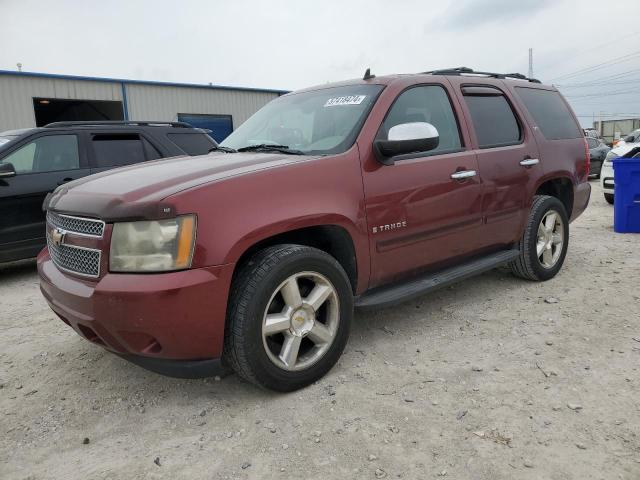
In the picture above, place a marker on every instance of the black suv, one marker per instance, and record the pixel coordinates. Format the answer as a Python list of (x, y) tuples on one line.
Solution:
[(34, 161)]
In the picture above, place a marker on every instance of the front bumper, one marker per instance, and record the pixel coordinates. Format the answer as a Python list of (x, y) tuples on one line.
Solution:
[(175, 316), (606, 178)]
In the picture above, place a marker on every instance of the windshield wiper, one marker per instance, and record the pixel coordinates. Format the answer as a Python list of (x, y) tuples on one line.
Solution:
[(265, 147), (219, 148)]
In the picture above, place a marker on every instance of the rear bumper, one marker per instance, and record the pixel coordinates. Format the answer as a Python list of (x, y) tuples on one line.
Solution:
[(172, 316), (581, 195)]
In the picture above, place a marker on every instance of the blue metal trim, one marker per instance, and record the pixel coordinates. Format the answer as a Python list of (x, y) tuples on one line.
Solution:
[(125, 102), (139, 82)]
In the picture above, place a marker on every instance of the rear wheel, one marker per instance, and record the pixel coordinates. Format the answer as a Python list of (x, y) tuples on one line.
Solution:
[(609, 198), (289, 317), (543, 246)]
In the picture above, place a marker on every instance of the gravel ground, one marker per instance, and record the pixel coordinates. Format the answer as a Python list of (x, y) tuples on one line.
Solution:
[(495, 378)]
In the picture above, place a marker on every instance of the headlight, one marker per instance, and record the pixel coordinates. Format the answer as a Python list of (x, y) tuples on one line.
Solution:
[(610, 156), (153, 246)]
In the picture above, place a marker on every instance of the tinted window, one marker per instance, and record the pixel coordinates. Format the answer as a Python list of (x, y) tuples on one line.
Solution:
[(117, 150), (429, 104), (192, 143), (46, 154), (493, 120), (550, 113), (593, 143)]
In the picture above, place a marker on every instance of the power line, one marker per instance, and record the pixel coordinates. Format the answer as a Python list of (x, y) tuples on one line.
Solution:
[(600, 94), (592, 68), (598, 84)]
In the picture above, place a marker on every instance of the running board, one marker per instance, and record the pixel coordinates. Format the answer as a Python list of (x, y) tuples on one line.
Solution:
[(399, 292)]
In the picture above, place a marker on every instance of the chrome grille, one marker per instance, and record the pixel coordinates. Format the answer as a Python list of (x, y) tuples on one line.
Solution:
[(79, 225), (80, 260)]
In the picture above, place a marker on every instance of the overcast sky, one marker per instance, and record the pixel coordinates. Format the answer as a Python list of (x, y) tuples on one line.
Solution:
[(288, 44)]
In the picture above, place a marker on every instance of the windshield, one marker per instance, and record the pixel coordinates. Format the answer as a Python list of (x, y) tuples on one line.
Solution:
[(318, 122)]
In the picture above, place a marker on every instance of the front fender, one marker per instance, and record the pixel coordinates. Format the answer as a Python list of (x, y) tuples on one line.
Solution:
[(239, 212)]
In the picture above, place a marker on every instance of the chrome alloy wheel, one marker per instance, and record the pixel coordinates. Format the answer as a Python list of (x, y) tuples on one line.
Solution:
[(550, 239), (301, 320)]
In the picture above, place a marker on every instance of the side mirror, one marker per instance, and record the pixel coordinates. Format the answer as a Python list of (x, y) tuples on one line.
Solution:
[(7, 170), (406, 138)]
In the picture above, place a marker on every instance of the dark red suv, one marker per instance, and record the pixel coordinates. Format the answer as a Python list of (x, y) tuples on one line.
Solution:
[(361, 193)]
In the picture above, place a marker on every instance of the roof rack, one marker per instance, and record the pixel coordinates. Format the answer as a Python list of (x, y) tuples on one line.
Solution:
[(468, 71), (101, 123)]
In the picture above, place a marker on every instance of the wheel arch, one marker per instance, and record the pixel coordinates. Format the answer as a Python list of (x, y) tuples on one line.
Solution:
[(333, 239), (560, 187)]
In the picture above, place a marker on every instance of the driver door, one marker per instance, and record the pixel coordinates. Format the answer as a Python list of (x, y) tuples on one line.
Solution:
[(425, 210), (41, 164)]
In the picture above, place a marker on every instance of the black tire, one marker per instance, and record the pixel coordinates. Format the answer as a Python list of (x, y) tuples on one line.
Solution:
[(528, 265), (253, 286), (609, 198)]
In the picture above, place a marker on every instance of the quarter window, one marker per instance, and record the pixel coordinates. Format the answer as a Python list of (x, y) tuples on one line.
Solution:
[(550, 113), (49, 153), (427, 103), (493, 120)]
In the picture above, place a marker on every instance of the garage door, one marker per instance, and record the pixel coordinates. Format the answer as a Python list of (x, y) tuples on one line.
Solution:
[(220, 125)]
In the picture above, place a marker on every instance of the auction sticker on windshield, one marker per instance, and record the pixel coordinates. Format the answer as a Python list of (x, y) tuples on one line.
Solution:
[(345, 100)]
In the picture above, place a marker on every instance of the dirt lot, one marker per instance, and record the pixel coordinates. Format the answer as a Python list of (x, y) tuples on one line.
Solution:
[(496, 378)]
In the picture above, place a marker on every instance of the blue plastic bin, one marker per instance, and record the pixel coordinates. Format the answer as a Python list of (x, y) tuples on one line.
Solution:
[(626, 206)]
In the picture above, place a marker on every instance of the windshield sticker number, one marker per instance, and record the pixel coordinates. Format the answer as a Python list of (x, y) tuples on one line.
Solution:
[(345, 100)]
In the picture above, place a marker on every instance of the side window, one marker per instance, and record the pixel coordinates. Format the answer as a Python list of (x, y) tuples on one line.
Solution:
[(192, 143), (550, 113), (428, 103), (493, 119), (593, 143), (49, 153), (116, 150)]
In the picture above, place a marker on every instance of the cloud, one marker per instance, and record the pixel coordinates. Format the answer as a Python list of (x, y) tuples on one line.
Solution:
[(476, 13)]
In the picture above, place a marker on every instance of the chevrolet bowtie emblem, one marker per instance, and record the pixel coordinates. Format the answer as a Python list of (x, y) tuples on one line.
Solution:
[(57, 236)]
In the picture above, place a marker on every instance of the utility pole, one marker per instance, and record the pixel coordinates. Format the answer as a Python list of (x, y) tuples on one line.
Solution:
[(531, 63)]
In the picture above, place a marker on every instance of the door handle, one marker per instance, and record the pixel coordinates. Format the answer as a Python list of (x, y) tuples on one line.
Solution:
[(461, 175), (528, 162), (65, 180)]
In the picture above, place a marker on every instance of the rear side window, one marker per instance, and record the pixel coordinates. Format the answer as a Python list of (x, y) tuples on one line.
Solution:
[(493, 120), (192, 143), (115, 150), (550, 113)]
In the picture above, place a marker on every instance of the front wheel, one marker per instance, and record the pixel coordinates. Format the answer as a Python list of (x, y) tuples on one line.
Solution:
[(543, 246), (609, 198), (289, 317)]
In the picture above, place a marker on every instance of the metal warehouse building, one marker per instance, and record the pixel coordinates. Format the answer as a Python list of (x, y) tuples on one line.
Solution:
[(34, 99)]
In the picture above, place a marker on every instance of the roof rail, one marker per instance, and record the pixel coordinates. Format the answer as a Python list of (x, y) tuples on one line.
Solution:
[(469, 71), (101, 123)]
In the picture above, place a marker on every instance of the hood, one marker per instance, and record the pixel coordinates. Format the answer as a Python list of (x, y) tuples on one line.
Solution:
[(623, 149), (138, 191)]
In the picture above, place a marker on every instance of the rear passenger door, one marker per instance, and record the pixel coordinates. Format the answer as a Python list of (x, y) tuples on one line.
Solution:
[(507, 159), (111, 149)]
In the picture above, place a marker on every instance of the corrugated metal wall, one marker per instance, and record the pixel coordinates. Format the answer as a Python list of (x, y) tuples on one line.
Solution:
[(17, 92), (153, 102), (144, 101)]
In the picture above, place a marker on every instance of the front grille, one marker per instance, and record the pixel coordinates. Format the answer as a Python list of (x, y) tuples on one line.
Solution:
[(80, 260), (82, 226)]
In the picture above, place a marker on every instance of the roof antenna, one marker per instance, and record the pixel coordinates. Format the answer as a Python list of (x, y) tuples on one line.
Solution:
[(367, 75)]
